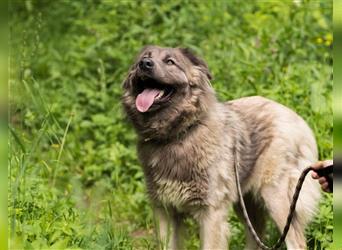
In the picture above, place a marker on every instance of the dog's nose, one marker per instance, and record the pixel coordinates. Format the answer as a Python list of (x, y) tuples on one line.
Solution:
[(146, 64)]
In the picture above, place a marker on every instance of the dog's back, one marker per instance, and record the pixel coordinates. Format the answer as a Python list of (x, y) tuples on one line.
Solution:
[(277, 136)]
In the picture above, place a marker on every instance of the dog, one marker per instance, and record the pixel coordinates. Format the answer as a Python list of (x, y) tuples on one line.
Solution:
[(189, 142)]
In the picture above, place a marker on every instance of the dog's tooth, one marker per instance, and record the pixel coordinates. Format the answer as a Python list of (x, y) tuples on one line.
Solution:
[(161, 93)]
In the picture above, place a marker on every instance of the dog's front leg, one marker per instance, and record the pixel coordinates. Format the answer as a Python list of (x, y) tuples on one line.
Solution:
[(214, 228), (169, 225)]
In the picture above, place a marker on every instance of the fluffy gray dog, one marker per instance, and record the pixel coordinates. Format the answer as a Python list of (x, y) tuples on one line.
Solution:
[(189, 142)]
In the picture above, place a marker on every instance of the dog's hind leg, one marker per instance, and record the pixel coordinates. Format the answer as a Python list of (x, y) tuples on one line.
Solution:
[(257, 215), (278, 198), (278, 205)]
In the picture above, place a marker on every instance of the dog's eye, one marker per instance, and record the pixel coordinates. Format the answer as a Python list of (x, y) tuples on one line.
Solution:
[(170, 62)]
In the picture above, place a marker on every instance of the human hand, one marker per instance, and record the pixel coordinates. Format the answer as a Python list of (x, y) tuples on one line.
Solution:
[(322, 180)]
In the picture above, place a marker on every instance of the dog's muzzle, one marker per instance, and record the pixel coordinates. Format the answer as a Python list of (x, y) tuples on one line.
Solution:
[(146, 64)]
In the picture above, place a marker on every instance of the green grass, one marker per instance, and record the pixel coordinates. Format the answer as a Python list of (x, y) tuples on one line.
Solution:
[(74, 177)]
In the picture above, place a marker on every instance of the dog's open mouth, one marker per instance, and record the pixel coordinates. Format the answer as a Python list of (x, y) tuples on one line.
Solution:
[(151, 92)]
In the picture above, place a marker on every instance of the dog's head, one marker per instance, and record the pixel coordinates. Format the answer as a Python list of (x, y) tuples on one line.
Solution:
[(167, 91)]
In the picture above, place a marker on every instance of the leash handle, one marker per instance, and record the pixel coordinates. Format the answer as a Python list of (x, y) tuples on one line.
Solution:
[(326, 172)]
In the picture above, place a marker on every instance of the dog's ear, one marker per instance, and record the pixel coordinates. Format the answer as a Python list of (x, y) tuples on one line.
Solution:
[(196, 61)]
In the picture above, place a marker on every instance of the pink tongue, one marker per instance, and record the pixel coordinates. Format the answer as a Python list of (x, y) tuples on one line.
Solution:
[(145, 99)]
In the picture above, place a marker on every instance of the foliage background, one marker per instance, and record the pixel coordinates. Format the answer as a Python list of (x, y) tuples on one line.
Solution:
[(74, 179)]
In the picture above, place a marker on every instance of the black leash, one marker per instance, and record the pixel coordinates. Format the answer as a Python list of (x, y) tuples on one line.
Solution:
[(326, 172)]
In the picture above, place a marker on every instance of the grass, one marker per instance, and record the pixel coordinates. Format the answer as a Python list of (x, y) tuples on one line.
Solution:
[(74, 178)]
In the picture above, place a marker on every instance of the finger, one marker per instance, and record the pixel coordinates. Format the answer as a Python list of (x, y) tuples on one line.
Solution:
[(314, 175), (325, 187), (322, 180)]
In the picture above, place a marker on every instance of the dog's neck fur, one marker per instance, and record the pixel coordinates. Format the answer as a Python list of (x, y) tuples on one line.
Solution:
[(182, 161)]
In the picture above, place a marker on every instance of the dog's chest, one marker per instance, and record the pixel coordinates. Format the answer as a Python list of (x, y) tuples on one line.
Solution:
[(180, 194), (177, 174)]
